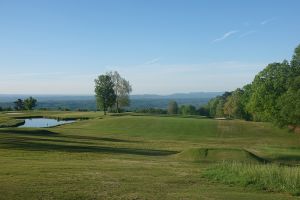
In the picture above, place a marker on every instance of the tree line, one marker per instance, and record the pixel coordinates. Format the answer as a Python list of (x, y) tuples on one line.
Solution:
[(172, 109), (273, 96), (20, 104)]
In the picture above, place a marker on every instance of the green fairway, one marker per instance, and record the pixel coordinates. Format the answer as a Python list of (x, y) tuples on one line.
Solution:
[(138, 157)]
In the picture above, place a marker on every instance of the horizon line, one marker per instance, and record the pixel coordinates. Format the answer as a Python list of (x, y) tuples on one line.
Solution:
[(166, 94)]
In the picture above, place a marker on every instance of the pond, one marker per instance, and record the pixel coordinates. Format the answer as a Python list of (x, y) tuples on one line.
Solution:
[(43, 122)]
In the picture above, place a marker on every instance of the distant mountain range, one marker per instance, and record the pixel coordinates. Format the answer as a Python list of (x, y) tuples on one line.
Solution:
[(74, 102), (192, 95)]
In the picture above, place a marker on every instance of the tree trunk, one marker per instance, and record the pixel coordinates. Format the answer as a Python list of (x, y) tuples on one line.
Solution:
[(117, 106)]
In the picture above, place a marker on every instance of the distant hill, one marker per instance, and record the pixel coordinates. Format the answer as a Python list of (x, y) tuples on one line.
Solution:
[(191, 95), (74, 102), (13, 97)]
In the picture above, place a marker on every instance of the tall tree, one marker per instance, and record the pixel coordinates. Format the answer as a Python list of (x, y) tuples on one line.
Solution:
[(229, 106), (233, 106), (30, 103), (245, 98), (212, 105), (122, 90), (19, 104), (105, 94), (295, 63), (172, 107), (267, 87), (289, 104)]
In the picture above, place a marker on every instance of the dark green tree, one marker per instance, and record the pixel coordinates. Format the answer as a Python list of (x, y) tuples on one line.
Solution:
[(105, 94), (216, 105), (188, 110), (289, 104), (172, 107), (295, 63), (203, 110), (245, 98), (30, 103), (267, 87), (19, 105)]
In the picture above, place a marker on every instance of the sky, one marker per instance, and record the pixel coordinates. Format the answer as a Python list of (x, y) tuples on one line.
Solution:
[(160, 46)]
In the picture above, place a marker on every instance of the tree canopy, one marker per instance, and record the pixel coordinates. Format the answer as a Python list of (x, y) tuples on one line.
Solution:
[(122, 89), (105, 94), (30, 103), (19, 104)]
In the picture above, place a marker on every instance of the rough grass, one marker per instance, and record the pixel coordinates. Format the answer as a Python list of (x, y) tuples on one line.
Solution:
[(268, 177)]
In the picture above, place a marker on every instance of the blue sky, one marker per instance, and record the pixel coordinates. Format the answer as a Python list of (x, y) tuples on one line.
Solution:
[(160, 46)]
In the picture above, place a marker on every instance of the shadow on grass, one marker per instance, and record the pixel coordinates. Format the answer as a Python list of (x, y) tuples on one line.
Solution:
[(36, 146), (38, 132), (16, 139), (80, 137), (288, 158), (42, 132)]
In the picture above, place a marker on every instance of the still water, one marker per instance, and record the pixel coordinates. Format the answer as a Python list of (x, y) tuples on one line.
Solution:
[(44, 122)]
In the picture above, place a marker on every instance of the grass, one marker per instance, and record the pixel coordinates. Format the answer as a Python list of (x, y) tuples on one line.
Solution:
[(218, 155), (289, 155), (135, 157), (10, 122), (269, 177)]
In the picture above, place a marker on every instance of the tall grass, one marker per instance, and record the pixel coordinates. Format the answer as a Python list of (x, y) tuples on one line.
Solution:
[(268, 177)]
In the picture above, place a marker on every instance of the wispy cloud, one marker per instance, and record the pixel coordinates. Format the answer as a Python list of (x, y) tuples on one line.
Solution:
[(247, 33), (267, 21), (152, 61), (226, 35)]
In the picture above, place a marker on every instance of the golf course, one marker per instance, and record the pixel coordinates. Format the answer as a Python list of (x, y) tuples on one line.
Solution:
[(143, 156)]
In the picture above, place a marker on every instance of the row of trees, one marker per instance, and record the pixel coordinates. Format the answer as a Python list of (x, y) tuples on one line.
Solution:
[(26, 104), (274, 96), (112, 92), (173, 108)]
